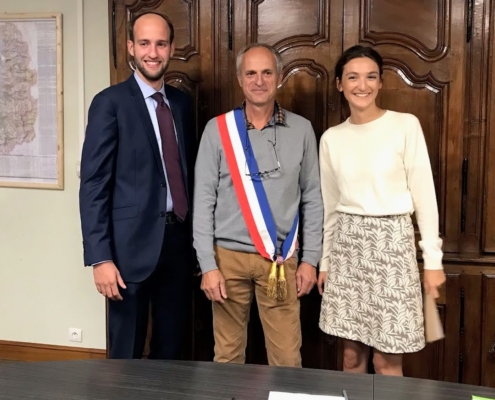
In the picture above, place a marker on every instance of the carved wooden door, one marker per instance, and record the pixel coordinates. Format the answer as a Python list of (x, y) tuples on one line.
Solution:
[(423, 43), (308, 34)]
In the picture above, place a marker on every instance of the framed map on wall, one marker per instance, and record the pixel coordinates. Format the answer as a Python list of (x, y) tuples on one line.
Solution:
[(31, 101)]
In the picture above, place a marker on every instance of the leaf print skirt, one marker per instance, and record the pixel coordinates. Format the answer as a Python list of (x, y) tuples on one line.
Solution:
[(373, 292)]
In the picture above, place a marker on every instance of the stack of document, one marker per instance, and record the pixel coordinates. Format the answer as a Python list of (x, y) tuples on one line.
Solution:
[(301, 396)]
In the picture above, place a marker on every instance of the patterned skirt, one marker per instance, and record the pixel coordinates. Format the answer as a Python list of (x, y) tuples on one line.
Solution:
[(373, 291)]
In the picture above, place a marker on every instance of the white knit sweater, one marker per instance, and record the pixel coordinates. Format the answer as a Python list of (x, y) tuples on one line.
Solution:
[(380, 168)]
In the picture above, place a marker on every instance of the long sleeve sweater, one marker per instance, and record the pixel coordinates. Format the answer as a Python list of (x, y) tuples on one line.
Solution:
[(376, 169)]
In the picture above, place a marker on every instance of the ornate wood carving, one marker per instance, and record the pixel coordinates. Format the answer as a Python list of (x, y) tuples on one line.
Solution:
[(300, 20), (303, 90), (383, 22), (185, 16), (142, 4), (181, 81)]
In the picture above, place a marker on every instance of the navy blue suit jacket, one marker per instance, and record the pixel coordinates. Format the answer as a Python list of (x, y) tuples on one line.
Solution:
[(122, 196)]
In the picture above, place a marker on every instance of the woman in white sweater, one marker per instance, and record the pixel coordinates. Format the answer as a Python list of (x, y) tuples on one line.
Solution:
[(375, 172)]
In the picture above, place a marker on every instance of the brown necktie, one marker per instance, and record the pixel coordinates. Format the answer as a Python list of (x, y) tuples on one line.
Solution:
[(171, 156)]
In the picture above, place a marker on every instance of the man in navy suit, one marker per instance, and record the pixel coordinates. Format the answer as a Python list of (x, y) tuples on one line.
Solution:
[(135, 197)]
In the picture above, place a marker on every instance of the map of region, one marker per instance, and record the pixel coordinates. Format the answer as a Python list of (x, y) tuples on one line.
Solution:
[(31, 153), (18, 107)]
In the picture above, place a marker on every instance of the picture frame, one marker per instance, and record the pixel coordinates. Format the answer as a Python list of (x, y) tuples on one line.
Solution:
[(31, 101)]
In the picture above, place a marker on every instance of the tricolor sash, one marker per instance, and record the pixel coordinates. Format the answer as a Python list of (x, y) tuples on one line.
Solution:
[(252, 198)]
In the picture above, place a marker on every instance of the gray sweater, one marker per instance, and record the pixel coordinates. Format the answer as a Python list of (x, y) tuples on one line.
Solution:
[(217, 217)]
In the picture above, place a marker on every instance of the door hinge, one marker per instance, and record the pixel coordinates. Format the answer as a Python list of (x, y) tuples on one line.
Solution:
[(464, 191), (469, 25), (461, 312), (230, 23)]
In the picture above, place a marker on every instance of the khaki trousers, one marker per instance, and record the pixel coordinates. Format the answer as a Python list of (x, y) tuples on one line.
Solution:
[(246, 274)]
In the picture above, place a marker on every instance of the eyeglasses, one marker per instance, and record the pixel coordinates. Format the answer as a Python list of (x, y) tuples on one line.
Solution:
[(264, 173)]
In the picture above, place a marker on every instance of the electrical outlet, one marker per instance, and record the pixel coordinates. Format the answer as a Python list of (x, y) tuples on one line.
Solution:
[(75, 335)]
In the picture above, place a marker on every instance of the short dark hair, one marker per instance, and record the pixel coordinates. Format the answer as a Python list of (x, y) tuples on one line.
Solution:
[(356, 52), (138, 15)]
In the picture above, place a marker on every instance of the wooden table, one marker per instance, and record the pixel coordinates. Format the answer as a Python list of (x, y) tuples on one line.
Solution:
[(171, 380), (393, 388), (187, 380)]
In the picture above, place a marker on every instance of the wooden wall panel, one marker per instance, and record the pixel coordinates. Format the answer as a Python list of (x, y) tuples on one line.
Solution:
[(309, 38), (488, 333), (440, 360), (23, 351), (471, 320), (476, 135), (489, 188), (428, 37)]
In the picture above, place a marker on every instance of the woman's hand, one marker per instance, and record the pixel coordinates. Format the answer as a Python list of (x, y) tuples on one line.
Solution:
[(432, 280), (322, 277)]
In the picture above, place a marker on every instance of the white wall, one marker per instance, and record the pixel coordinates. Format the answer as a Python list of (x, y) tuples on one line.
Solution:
[(44, 288)]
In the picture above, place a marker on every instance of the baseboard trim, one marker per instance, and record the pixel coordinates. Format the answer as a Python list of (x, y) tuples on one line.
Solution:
[(23, 351)]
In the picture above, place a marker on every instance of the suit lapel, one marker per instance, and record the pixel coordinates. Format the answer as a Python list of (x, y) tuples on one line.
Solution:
[(144, 117)]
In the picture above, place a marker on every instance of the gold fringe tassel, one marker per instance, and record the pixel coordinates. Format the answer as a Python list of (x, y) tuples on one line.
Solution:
[(271, 289), (282, 284)]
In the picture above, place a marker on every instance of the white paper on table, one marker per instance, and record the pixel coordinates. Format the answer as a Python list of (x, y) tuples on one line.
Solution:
[(300, 396)]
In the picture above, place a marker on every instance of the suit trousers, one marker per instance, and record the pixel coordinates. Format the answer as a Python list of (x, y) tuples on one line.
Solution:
[(168, 291), (246, 275)]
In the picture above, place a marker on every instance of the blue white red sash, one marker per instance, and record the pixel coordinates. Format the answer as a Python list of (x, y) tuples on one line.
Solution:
[(250, 191)]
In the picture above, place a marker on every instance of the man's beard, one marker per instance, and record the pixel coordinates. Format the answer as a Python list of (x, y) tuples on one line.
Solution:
[(151, 77)]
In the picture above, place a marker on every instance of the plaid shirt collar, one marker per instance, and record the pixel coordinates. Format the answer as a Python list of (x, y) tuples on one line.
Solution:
[(278, 115)]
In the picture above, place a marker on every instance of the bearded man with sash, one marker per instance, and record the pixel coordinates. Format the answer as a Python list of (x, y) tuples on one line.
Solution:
[(257, 211)]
